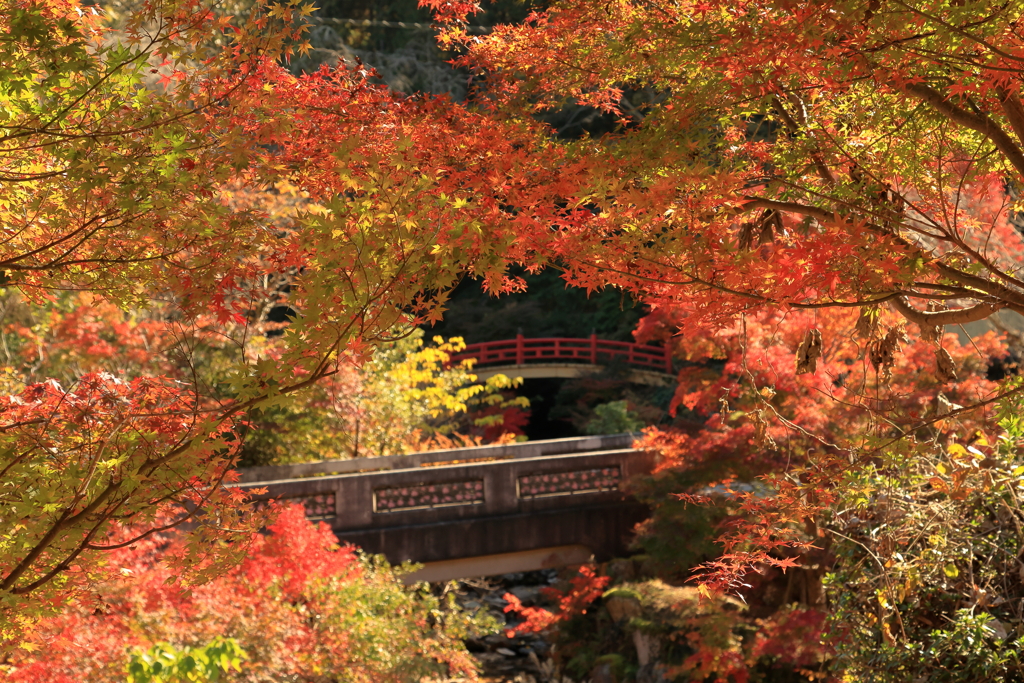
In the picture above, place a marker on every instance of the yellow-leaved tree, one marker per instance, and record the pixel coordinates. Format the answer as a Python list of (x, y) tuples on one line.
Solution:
[(408, 396)]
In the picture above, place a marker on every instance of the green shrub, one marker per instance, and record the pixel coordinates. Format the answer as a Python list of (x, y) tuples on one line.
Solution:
[(613, 417), (928, 583)]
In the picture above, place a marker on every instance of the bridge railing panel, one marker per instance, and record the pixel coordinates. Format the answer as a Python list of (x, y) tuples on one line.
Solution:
[(569, 483), (426, 495)]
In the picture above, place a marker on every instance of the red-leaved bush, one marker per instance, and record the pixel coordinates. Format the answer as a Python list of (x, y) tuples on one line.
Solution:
[(583, 589), (302, 608)]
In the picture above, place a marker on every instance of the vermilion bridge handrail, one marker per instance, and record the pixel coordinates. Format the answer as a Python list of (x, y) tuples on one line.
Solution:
[(520, 351)]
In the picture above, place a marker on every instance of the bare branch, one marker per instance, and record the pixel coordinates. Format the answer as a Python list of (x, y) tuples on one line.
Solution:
[(1011, 298), (939, 318), (1014, 111), (794, 127), (979, 122)]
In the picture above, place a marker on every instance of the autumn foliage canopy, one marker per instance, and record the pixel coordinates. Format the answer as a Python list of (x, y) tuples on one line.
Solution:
[(815, 193)]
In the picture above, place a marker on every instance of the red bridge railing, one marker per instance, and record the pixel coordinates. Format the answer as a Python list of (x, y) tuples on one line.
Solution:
[(520, 351)]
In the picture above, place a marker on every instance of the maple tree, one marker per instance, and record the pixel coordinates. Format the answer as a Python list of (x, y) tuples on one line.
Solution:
[(137, 162), (832, 166), (867, 156), (94, 197), (843, 512), (809, 193), (747, 412)]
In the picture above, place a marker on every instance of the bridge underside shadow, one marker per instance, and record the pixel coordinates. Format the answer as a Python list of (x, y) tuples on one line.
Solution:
[(505, 543), (502, 563), (568, 371)]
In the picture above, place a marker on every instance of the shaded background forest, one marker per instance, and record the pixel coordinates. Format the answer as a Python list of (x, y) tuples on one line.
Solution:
[(396, 43)]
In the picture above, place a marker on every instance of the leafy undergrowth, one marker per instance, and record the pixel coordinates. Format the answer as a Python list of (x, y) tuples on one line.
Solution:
[(299, 608), (928, 582), (648, 630)]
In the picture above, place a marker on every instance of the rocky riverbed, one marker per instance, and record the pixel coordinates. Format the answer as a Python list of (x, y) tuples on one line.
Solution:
[(646, 630), (523, 658), (639, 631)]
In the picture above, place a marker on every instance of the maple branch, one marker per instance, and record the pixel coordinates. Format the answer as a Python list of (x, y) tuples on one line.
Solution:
[(23, 423), (1014, 111), (1010, 297), (166, 527), (64, 520), (987, 263), (319, 373), (852, 304), (66, 562), (946, 416), (143, 535), (95, 85), (31, 177), (21, 457), (963, 32), (978, 122), (961, 291), (822, 215), (940, 318), (694, 280), (794, 127), (86, 543), (10, 263), (1007, 297), (144, 52)]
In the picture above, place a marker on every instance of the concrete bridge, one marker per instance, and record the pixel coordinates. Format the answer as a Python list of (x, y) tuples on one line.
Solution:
[(567, 357), (475, 511)]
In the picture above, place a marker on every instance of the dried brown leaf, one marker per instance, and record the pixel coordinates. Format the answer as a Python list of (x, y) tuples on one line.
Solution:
[(943, 406), (882, 352), (746, 236), (932, 333), (867, 322), (809, 352), (763, 229), (945, 367), (761, 436)]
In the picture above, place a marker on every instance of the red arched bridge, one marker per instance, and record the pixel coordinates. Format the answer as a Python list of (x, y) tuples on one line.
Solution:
[(567, 357), (475, 511)]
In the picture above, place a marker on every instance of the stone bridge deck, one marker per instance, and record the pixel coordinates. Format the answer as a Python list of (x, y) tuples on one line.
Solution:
[(563, 497)]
